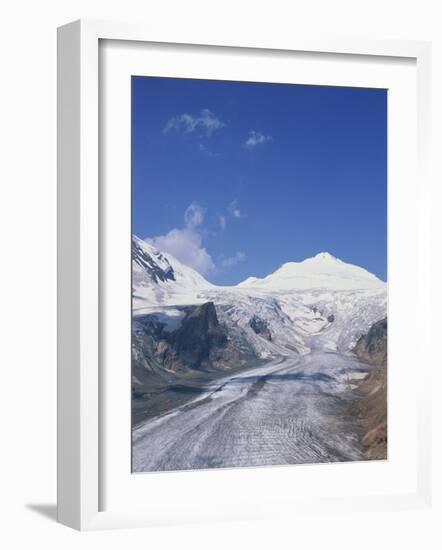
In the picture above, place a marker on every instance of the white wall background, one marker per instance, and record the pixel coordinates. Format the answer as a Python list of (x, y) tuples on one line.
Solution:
[(28, 277)]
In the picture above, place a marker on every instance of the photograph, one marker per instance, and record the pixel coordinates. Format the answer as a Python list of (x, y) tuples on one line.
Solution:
[(259, 274)]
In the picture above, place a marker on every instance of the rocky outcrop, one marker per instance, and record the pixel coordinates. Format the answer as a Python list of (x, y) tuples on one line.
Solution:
[(191, 346), (198, 344), (157, 268), (170, 367), (260, 327), (372, 347), (370, 408)]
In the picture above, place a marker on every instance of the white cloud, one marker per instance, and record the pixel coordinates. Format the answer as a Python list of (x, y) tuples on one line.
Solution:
[(204, 122), (194, 215), (203, 149), (256, 138), (233, 260), (186, 246), (234, 209)]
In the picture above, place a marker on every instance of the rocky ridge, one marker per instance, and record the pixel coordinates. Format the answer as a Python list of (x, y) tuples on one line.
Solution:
[(371, 407)]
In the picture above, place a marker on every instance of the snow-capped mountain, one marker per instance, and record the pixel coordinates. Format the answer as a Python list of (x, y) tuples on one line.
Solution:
[(159, 278), (319, 303), (321, 271)]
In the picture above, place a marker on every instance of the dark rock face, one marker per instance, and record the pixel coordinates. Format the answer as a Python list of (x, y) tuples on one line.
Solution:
[(371, 409), (155, 272), (260, 327), (331, 318), (198, 341), (372, 348)]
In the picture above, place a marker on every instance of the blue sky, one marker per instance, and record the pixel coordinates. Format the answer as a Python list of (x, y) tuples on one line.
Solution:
[(237, 178)]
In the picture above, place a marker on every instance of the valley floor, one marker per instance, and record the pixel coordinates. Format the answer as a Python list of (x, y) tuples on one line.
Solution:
[(291, 411)]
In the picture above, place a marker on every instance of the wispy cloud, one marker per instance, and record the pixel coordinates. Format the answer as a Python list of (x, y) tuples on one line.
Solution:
[(186, 244), (222, 222), (206, 151), (256, 138), (205, 123), (235, 210), (194, 215), (233, 260)]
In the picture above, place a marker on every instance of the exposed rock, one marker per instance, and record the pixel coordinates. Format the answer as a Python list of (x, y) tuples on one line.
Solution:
[(260, 327), (372, 348), (371, 409), (158, 268), (198, 343)]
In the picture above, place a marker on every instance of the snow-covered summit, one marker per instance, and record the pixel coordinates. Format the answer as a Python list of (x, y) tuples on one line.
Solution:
[(158, 277), (324, 256), (320, 271), (152, 266)]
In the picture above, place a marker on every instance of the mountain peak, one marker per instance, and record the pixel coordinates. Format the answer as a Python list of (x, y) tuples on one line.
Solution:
[(324, 256), (157, 276), (321, 271)]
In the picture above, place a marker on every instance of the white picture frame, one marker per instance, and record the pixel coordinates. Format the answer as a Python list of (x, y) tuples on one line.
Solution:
[(79, 262)]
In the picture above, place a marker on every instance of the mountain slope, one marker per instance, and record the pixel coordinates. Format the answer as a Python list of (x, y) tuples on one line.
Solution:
[(321, 303), (371, 408), (321, 271), (159, 278)]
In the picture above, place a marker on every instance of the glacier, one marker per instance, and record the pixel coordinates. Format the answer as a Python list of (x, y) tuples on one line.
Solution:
[(283, 351)]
